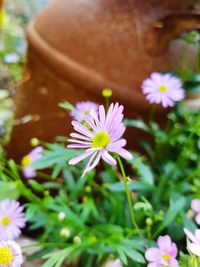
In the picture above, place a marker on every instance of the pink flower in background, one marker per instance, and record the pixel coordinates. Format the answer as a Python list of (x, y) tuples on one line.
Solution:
[(82, 109), (10, 254), (163, 89), (27, 160), (102, 138), (164, 255), (195, 206), (114, 263), (11, 219), (194, 246)]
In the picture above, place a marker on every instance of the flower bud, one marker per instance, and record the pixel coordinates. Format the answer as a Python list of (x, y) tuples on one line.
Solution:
[(61, 216), (149, 221), (107, 92), (88, 189), (77, 240), (34, 142), (65, 232)]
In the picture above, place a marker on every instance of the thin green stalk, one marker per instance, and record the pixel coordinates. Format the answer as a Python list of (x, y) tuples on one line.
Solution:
[(128, 195), (28, 193), (197, 65), (152, 113), (107, 93), (107, 102)]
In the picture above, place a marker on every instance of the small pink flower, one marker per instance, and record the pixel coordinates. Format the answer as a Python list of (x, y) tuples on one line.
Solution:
[(27, 160), (82, 109), (194, 246), (164, 89), (11, 219), (10, 254), (164, 255), (101, 138), (195, 206)]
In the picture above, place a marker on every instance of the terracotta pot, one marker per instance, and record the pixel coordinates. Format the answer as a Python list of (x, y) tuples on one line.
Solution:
[(77, 48), (1, 3)]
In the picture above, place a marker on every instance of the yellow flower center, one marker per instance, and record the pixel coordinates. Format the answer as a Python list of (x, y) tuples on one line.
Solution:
[(6, 256), (163, 89), (101, 139), (166, 257), (5, 221), (26, 161)]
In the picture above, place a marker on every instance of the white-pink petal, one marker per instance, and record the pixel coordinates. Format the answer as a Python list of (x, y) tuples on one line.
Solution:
[(195, 205), (81, 157), (194, 248), (108, 158), (189, 235), (125, 154)]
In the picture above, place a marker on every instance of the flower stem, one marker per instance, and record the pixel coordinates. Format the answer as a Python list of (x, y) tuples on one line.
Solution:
[(128, 195), (152, 113)]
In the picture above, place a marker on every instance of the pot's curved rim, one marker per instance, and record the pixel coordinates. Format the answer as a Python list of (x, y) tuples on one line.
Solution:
[(83, 77)]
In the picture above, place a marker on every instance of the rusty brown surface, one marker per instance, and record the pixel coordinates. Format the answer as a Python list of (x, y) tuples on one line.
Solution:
[(76, 48), (1, 3)]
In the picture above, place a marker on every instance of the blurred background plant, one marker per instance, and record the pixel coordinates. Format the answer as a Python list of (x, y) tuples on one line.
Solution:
[(13, 19)]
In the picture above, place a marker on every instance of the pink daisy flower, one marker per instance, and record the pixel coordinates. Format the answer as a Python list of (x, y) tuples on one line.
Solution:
[(102, 137), (194, 246), (27, 160), (195, 206), (164, 89), (11, 219), (82, 109), (164, 255), (10, 254)]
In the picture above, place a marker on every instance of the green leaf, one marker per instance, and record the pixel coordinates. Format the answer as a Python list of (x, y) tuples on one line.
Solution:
[(142, 169), (139, 124), (14, 169), (66, 105), (35, 185), (134, 255), (122, 255), (135, 186), (9, 190), (56, 259), (196, 126), (188, 223), (57, 156), (175, 208)]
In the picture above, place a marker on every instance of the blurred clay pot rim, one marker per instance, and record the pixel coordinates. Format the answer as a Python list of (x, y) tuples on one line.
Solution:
[(80, 75)]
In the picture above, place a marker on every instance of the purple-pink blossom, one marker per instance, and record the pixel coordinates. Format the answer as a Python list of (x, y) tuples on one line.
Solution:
[(27, 160), (82, 109), (12, 219), (195, 206), (102, 137), (165, 89), (10, 254), (194, 245), (164, 255)]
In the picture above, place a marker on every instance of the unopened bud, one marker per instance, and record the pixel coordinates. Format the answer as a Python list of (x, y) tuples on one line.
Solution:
[(149, 221), (46, 193), (65, 232), (77, 240), (61, 216), (88, 189), (34, 142), (107, 92)]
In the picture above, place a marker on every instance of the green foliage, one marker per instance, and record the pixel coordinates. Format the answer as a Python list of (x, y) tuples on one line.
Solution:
[(163, 181)]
